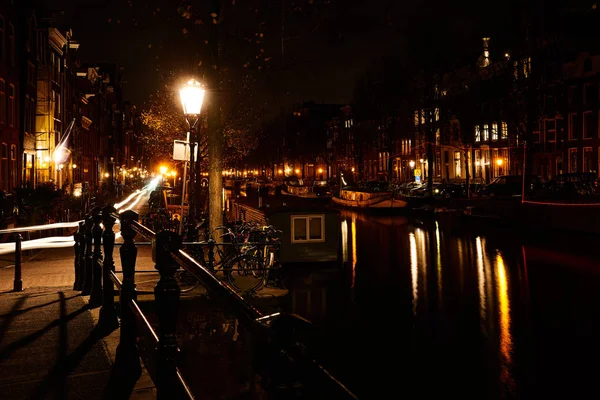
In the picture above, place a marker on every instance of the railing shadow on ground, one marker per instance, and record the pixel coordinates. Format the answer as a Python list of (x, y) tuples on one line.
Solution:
[(278, 359)]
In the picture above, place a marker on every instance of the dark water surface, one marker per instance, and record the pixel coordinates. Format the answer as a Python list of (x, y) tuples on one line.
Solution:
[(431, 311)]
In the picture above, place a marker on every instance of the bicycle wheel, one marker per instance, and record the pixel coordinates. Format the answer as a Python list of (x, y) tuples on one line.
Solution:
[(187, 282), (246, 273)]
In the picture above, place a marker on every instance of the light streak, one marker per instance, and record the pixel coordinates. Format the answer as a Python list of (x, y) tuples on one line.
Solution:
[(43, 227), (131, 196)]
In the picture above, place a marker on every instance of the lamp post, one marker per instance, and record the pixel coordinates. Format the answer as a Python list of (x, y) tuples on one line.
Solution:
[(192, 96)]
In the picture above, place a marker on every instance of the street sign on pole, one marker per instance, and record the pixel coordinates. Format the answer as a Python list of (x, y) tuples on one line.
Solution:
[(181, 150)]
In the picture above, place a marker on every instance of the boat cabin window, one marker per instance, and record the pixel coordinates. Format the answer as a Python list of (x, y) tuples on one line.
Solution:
[(308, 228)]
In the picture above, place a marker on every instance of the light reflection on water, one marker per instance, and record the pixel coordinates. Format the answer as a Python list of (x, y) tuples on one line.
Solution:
[(479, 316), (441, 269)]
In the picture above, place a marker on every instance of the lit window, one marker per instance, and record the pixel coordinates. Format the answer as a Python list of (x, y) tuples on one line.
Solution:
[(416, 117), (422, 116), (437, 114), (477, 133), (486, 132), (308, 228), (504, 131), (494, 131)]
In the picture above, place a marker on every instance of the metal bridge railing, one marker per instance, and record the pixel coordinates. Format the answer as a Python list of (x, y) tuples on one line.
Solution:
[(274, 332), (43, 243)]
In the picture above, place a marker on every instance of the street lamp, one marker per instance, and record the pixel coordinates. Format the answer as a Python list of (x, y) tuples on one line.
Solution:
[(411, 163), (192, 97)]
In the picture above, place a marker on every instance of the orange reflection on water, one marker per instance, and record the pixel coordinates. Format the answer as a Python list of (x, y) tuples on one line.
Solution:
[(414, 272), (506, 343), (438, 254), (354, 257), (481, 278)]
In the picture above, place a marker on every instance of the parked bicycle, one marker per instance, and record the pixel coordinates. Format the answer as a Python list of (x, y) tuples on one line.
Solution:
[(247, 259)]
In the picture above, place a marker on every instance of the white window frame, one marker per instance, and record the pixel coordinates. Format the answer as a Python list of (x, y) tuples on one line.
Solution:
[(573, 150), (306, 218), (11, 113), (584, 158), (3, 104), (550, 130), (571, 126), (585, 127)]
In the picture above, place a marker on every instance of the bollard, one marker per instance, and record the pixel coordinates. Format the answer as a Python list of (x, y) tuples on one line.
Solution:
[(166, 293), (18, 284), (87, 283), (108, 319), (78, 284), (127, 350), (96, 293)]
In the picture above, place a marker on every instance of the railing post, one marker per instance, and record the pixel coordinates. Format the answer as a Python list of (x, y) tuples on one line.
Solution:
[(96, 293), (127, 351), (166, 293), (18, 284), (77, 236), (108, 314), (89, 257)]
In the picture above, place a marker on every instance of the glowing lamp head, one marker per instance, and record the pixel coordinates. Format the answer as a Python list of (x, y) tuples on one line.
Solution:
[(163, 169), (411, 163), (297, 170), (352, 169), (173, 173), (280, 171), (106, 174), (499, 162), (192, 96), (320, 170)]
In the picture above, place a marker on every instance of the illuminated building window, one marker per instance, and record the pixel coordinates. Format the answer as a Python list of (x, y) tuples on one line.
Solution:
[(437, 114), (494, 131), (504, 130), (477, 133), (308, 228), (457, 164), (416, 117), (486, 133)]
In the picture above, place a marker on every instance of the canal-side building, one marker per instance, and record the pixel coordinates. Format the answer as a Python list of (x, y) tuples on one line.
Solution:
[(576, 130), (10, 92)]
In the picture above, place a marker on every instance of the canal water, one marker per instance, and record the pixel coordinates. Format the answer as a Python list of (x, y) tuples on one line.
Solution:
[(431, 310)]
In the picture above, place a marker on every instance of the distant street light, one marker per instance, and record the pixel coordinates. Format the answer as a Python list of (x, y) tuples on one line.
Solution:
[(499, 161), (412, 163), (163, 170), (192, 97)]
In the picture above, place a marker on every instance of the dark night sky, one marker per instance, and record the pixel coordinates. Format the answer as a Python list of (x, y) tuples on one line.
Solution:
[(331, 44)]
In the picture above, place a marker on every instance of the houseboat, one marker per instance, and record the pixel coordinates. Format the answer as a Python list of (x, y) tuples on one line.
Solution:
[(369, 200), (316, 190), (310, 230)]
